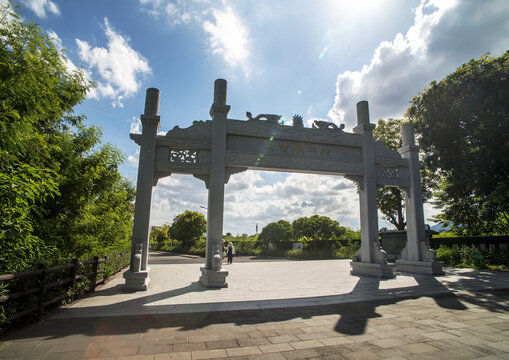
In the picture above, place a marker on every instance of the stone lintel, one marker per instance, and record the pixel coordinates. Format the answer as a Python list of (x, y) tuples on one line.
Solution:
[(361, 128), (151, 119), (408, 148), (213, 278), (383, 271), (137, 281), (219, 108), (420, 267)]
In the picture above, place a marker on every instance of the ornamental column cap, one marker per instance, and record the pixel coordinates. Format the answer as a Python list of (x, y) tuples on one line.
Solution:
[(407, 134), (152, 102)]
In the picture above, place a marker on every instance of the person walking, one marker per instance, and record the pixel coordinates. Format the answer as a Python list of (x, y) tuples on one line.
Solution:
[(230, 252)]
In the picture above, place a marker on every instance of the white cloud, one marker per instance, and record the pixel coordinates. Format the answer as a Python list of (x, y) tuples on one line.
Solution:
[(444, 35), (176, 12), (250, 199), (228, 34), (133, 159), (41, 8), (117, 69), (228, 37)]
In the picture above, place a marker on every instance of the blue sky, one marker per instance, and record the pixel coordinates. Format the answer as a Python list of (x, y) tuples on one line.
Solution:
[(314, 58)]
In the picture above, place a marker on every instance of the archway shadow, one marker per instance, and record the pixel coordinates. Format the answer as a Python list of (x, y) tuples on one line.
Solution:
[(354, 311)]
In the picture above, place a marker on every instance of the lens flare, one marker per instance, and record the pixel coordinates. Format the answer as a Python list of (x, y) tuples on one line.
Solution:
[(299, 92), (322, 54)]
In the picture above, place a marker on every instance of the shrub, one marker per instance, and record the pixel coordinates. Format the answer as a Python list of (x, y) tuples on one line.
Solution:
[(347, 251)]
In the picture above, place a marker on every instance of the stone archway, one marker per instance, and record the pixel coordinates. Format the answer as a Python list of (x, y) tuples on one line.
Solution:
[(215, 149)]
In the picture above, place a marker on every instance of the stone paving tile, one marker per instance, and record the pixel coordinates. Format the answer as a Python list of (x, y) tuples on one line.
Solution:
[(300, 354), (331, 350), (224, 336), (306, 344), (391, 353), (253, 341), (189, 347), (282, 339), (291, 331), (389, 343), (361, 355), (485, 350), (136, 357), (243, 351), (275, 348), (262, 333), (501, 326), (208, 354), (202, 338), (332, 357), (363, 346), (173, 356), (421, 328), (269, 356), (418, 348), (501, 345), (211, 345), (154, 349), (312, 336), (336, 340)]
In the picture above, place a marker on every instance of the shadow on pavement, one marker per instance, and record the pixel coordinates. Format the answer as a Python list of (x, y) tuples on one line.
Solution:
[(354, 314)]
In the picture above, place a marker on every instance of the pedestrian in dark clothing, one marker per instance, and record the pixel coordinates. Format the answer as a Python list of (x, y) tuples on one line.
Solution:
[(230, 252)]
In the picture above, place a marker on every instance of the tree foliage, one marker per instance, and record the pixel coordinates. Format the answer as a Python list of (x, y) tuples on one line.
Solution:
[(188, 227), (277, 233), (390, 199), (463, 122), (317, 229), (60, 192), (159, 237)]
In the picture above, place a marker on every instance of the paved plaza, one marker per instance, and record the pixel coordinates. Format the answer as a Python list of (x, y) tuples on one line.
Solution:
[(278, 310)]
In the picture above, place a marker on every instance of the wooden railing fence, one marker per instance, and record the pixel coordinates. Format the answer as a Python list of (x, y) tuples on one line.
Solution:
[(67, 284)]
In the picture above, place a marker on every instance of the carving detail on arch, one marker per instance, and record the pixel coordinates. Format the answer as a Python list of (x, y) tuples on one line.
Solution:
[(199, 129)]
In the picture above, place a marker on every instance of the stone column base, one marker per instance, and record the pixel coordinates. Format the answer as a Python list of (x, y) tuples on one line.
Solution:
[(420, 267), (383, 271), (137, 281), (213, 279)]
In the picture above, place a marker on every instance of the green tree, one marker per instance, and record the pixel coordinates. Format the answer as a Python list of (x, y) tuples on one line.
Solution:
[(37, 95), (390, 199), (279, 234), (188, 227), (61, 193), (159, 236), (94, 209), (317, 229), (463, 122)]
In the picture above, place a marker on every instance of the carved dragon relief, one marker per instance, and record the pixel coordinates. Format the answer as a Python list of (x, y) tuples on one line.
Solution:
[(320, 124), (272, 118)]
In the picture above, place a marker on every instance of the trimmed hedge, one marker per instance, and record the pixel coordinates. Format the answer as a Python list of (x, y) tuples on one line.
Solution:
[(436, 243)]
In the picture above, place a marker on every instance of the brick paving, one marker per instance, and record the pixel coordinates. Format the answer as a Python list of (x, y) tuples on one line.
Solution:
[(460, 324)]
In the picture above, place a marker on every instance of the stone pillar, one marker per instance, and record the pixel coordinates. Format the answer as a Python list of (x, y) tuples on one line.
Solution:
[(416, 256), (137, 277), (371, 259), (211, 274)]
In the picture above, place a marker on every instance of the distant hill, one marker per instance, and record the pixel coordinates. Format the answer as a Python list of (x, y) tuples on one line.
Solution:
[(440, 227)]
